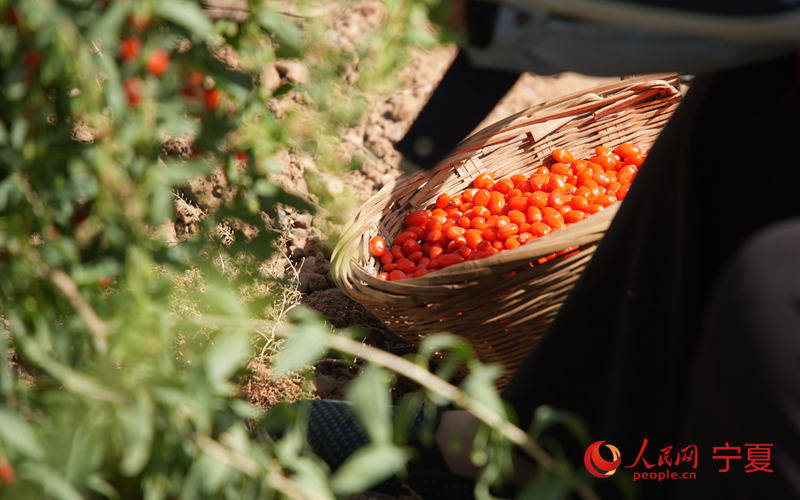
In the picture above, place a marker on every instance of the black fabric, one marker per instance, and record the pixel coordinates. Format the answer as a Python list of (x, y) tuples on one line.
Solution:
[(620, 352), (481, 17), (335, 434), (745, 387), (464, 97), (725, 7)]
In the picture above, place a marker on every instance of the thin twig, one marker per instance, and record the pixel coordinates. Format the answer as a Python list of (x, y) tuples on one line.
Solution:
[(96, 326), (242, 463), (287, 298), (248, 466)]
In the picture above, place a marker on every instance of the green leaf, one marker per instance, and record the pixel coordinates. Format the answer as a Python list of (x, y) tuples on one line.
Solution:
[(288, 34), (212, 133), (214, 473), (7, 378), (78, 382), (96, 483), (406, 411), (221, 72), (3, 134), (221, 300), (545, 486), (479, 385), (306, 344), (54, 484), (369, 393), (113, 84), (442, 342), (228, 354), (369, 466), (137, 425), (186, 14), (291, 444), (108, 26), (19, 131), (176, 123), (246, 410), (261, 247), (311, 478), (418, 31), (161, 203), (290, 199), (17, 434), (546, 416), (87, 445)]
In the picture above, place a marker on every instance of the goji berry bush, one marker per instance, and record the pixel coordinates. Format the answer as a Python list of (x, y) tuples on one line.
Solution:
[(108, 389)]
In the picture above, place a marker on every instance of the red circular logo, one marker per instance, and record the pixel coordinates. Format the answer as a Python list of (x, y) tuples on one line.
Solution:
[(599, 466)]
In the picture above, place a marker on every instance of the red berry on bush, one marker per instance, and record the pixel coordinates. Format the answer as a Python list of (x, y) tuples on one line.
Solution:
[(11, 18), (130, 48), (133, 88), (211, 99), (79, 217), (7, 475), (194, 78), (158, 62), (31, 59)]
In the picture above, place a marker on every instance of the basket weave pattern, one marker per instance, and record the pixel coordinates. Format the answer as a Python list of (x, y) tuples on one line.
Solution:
[(502, 304)]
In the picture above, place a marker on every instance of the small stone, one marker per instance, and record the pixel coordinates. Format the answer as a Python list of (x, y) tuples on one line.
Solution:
[(297, 253), (176, 146), (401, 107), (276, 107), (332, 184), (325, 384), (271, 78), (302, 221), (372, 12), (321, 266), (380, 146), (83, 133), (310, 280), (298, 237), (294, 71)]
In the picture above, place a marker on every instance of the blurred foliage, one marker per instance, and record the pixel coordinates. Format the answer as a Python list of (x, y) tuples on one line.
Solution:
[(106, 390)]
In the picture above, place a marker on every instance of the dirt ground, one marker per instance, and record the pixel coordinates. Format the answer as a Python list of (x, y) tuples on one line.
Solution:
[(304, 256)]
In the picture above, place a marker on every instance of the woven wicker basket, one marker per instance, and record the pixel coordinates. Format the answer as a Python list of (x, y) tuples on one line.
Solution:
[(502, 304)]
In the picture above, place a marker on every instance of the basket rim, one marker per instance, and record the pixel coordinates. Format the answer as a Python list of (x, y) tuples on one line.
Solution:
[(664, 81), (345, 265)]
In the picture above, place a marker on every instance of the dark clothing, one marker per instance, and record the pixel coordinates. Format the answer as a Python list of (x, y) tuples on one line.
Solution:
[(722, 7), (622, 350), (462, 99), (745, 387)]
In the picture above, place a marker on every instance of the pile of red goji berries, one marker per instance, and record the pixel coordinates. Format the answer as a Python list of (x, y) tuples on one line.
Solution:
[(501, 214)]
